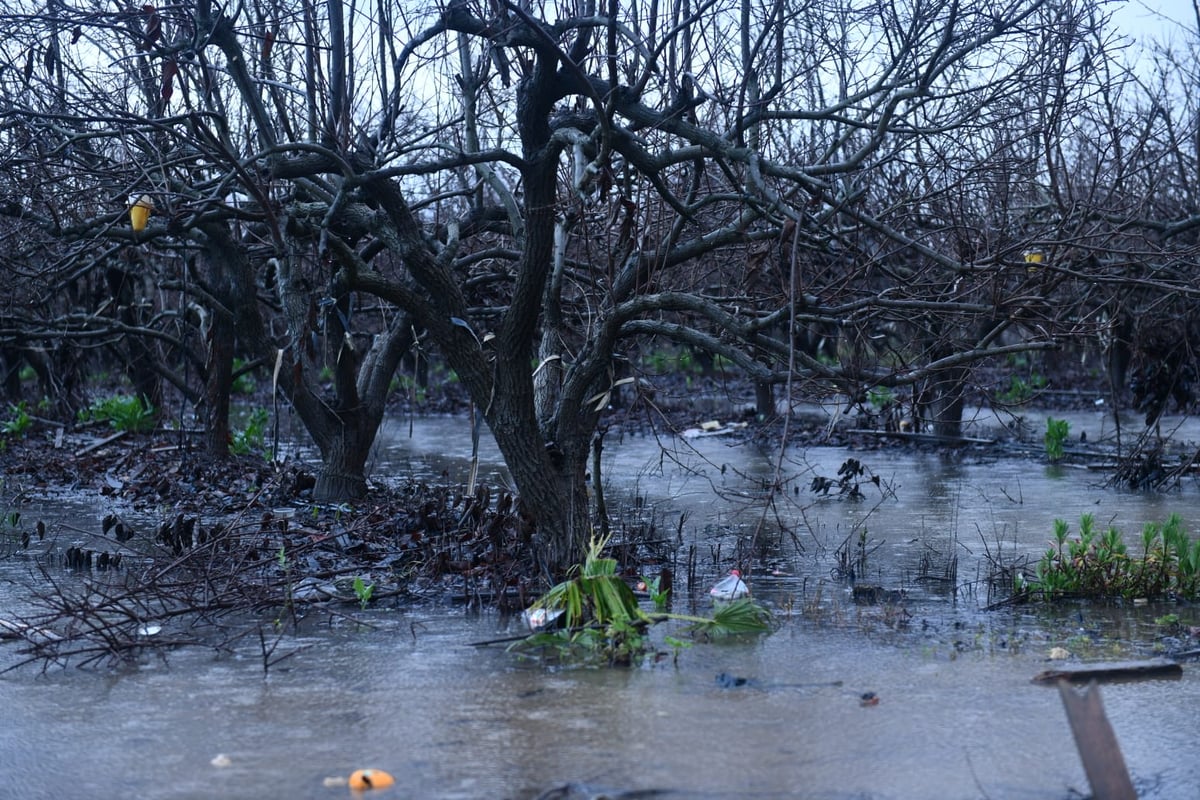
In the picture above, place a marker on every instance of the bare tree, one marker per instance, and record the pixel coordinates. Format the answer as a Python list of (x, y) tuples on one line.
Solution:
[(535, 188)]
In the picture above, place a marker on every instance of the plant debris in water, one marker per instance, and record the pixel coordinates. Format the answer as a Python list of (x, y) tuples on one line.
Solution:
[(604, 623)]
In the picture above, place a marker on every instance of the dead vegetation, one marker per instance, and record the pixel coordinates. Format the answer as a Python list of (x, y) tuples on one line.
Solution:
[(206, 554)]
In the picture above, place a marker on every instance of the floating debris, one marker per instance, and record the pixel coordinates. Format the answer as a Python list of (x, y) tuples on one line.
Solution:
[(731, 587), (19, 630), (712, 428), (727, 681), (370, 779), (542, 619)]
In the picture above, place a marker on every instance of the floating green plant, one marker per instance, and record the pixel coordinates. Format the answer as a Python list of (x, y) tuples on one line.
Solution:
[(601, 620)]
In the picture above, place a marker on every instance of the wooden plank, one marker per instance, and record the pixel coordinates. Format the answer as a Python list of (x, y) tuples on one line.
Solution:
[(97, 445), (1149, 669), (1098, 747)]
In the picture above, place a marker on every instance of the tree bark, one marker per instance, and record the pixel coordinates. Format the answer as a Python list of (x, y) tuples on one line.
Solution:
[(218, 383), (764, 400), (551, 480), (342, 476), (943, 399), (11, 359), (138, 353)]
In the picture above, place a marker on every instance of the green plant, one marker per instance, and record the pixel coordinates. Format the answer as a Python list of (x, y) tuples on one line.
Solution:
[(738, 616), (243, 380), (682, 361), (686, 361), (19, 422), (1021, 390), (655, 362), (659, 595), (601, 614), (677, 646), (281, 558), (363, 591), (250, 438), (122, 412), (596, 594), (406, 384), (604, 622), (1097, 564), (1057, 431)]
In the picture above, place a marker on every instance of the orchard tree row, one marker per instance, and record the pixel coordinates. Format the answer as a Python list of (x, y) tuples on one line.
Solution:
[(829, 195)]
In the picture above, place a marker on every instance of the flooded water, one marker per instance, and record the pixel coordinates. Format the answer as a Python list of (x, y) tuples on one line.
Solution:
[(957, 715)]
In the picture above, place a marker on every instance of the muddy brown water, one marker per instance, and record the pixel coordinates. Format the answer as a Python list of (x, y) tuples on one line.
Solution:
[(958, 716)]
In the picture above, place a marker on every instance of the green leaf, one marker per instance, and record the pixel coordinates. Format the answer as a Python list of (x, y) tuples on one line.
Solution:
[(740, 616)]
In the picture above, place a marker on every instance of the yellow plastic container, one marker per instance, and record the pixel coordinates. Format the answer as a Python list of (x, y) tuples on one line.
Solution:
[(139, 213)]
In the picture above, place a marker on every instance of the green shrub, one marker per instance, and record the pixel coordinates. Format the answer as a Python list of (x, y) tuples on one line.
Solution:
[(1021, 390), (19, 422), (250, 438), (1057, 431), (1096, 564), (122, 412)]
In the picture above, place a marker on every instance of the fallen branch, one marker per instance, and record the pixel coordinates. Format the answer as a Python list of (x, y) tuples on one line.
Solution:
[(921, 438), (98, 444)]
